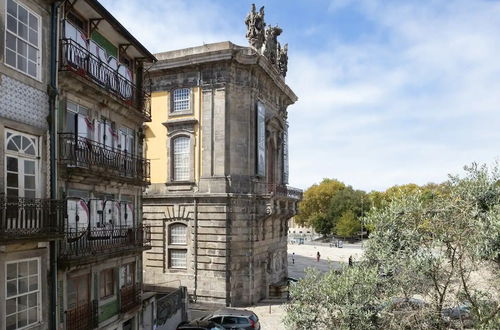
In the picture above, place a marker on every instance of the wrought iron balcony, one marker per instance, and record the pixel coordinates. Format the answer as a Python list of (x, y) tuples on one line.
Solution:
[(95, 242), (31, 218), (82, 317), (278, 190), (83, 153), (77, 59), (130, 297)]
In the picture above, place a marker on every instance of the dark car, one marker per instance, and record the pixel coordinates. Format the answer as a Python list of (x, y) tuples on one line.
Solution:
[(235, 319), (200, 325)]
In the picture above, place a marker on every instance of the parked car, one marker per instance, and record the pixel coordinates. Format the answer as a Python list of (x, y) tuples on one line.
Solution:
[(200, 325), (235, 319)]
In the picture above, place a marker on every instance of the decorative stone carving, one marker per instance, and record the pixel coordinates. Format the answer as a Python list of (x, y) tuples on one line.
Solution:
[(283, 59), (270, 49), (255, 28)]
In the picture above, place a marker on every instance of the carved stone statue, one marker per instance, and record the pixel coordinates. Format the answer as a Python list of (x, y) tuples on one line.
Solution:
[(255, 27), (283, 59), (271, 44)]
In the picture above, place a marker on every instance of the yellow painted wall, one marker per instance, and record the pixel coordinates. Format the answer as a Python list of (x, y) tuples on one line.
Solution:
[(157, 135)]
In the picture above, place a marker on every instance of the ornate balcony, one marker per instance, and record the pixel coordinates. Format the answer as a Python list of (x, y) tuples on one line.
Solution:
[(82, 154), (95, 243), (130, 297), (31, 218), (83, 317), (77, 59), (279, 191)]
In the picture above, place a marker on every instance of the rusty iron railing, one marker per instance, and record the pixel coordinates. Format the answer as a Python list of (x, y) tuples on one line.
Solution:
[(22, 218), (78, 59), (97, 241), (130, 297), (77, 151)]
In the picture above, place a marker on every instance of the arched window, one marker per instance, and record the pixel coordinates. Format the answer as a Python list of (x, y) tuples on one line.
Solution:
[(181, 100), (21, 156), (178, 233), (181, 161)]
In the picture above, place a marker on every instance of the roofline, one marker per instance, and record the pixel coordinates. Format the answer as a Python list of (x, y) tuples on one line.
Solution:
[(119, 27)]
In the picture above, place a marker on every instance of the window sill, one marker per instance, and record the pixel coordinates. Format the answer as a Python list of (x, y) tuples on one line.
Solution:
[(179, 183), (181, 113)]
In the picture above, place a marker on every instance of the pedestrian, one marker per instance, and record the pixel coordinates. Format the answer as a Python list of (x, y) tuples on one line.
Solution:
[(293, 258), (318, 256), (350, 261)]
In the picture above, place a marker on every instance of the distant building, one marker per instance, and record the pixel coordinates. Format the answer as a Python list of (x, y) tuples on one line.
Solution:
[(218, 203)]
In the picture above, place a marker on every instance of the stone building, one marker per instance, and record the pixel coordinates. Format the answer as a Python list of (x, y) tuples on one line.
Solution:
[(218, 202), (101, 108)]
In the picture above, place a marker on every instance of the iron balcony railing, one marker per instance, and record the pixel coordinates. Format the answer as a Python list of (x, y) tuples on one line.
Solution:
[(130, 297), (98, 241), (26, 218), (77, 151), (80, 60), (82, 317), (278, 190)]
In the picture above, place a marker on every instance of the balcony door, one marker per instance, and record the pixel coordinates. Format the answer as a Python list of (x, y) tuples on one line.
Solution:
[(21, 159)]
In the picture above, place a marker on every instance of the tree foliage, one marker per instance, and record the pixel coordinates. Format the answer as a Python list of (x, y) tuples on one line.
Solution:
[(347, 200), (427, 254), (348, 224)]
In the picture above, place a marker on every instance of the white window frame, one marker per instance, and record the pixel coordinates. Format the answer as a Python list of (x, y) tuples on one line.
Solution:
[(175, 159), (183, 238), (39, 291), (16, 35), (183, 264), (82, 114), (179, 97), (20, 158)]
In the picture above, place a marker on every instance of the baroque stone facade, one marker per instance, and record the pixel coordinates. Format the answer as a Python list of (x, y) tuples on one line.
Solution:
[(219, 202)]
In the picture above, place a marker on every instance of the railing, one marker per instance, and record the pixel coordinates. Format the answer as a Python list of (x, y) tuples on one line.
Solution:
[(78, 59), (22, 218), (278, 190), (81, 152), (95, 241), (82, 317), (130, 297)]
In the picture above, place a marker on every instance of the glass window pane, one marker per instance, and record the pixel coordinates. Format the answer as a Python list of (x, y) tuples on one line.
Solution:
[(22, 48), (11, 24), (12, 180), (12, 7), (22, 63), (11, 306), (32, 72), (12, 164), (23, 285), (11, 192), (10, 58), (33, 267), (22, 319), (22, 303), (29, 168), (11, 322), (11, 271), (33, 315), (22, 30), (33, 283), (30, 193), (32, 53), (33, 37), (10, 41), (33, 299), (22, 15), (11, 288), (29, 182), (33, 22), (22, 269)]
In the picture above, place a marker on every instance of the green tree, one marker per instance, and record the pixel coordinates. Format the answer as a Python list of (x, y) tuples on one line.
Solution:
[(316, 201), (348, 199), (444, 250), (348, 224)]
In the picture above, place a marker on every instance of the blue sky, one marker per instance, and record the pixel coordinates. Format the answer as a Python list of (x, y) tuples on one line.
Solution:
[(390, 91)]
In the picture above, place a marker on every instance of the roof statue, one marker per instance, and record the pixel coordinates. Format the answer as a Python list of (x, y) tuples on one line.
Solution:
[(265, 40), (283, 59), (255, 27)]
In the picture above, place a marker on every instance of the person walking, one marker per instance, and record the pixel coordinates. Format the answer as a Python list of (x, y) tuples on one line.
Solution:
[(318, 256), (350, 261), (293, 258)]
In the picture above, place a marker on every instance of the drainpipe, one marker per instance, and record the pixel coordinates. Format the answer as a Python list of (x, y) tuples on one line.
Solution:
[(52, 91), (195, 248)]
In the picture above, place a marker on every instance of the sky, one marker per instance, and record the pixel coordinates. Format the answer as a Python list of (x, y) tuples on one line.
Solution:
[(390, 91)]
